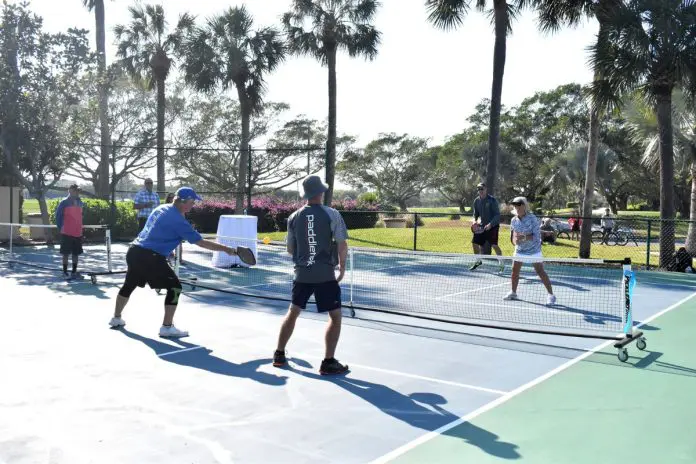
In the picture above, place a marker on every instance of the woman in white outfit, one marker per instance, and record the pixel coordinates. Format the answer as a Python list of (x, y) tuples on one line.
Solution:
[(526, 236)]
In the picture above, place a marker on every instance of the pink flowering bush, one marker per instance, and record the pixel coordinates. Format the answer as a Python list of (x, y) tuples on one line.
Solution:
[(272, 213)]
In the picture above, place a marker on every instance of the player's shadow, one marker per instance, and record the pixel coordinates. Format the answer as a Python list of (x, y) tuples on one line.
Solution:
[(201, 358), (54, 281), (422, 410)]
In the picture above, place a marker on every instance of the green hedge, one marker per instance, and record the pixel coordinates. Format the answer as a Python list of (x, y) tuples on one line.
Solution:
[(98, 212)]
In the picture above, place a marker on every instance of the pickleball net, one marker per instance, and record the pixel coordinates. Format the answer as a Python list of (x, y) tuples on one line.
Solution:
[(593, 296), (38, 246)]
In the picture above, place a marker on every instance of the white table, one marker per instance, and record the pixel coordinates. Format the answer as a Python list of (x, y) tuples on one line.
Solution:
[(234, 230)]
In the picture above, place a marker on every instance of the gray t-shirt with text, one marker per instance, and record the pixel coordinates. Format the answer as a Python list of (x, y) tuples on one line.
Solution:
[(312, 231)]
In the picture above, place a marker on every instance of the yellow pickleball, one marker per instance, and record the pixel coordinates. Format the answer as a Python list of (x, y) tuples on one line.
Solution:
[(266, 240)]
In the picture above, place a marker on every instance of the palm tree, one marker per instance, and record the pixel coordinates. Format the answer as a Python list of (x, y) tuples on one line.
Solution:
[(332, 25), (226, 53), (643, 126), (144, 47), (554, 15), (650, 48), (103, 184), (449, 14)]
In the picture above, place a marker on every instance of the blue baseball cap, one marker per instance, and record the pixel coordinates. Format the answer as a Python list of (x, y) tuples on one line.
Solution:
[(187, 193)]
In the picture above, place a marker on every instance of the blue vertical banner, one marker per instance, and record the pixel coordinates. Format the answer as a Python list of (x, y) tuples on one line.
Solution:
[(629, 279)]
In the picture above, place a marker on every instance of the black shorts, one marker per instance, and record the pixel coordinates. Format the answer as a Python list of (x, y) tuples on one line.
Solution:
[(326, 294), (149, 267), (490, 236), (70, 245)]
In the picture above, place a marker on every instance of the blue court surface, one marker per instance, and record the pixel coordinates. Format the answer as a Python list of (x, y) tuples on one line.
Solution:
[(74, 391)]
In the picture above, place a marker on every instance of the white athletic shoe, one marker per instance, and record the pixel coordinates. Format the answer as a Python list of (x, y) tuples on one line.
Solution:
[(510, 296), (172, 332), (551, 300), (116, 322)]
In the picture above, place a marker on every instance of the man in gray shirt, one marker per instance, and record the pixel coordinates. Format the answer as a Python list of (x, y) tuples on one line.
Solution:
[(487, 209), (317, 242)]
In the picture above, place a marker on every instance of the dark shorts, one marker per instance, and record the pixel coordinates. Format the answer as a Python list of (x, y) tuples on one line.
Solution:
[(326, 294), (141, 223), (70, 245), (148, 267), (490, 236)]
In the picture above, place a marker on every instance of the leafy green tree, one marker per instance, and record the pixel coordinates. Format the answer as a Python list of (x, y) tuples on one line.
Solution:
[(650, 48), (229, 52), (449, 14), (39, 87), (320, 28), (399, 167), (102, 180), (132, 122), (553, 16), (146, 49), (644, 129)]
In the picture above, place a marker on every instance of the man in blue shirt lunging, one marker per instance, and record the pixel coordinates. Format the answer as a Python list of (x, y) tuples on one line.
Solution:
[(165, 229)]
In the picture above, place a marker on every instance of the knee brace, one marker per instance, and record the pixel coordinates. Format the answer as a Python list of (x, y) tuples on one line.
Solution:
[(172, 297)]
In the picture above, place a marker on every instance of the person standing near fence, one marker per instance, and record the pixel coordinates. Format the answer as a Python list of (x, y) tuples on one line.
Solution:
[(607, 222), (69, 223), (312, 231), (145, 201), (487, 209)]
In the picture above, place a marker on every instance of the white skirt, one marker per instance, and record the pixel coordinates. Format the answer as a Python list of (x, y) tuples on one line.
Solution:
[(528, 258)]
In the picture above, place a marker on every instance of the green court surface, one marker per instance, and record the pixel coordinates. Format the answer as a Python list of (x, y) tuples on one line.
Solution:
[(597, 410)]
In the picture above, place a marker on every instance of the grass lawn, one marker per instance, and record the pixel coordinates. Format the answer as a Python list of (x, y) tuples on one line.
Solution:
[(449, 236), (30, 206)]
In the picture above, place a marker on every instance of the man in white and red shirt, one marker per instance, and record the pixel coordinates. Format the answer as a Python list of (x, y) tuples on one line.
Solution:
[(69, 222)]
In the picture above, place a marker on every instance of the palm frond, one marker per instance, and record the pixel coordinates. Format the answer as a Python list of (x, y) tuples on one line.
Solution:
[(447, 14), (554, 15)]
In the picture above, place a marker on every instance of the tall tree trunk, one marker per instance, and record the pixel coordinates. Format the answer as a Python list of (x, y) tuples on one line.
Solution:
[(43, 207), (331, 137), (691, 234), (103, 190), (664, 126), (590, 175), (161, 187), (243, 153), (499, 52)]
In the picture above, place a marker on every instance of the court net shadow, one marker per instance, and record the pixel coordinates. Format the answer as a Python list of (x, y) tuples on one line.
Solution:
[(202, 359), (421, 410)]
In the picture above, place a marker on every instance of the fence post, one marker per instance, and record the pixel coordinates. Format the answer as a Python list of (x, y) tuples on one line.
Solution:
[(249, 177), (415, 232), (647, 248)]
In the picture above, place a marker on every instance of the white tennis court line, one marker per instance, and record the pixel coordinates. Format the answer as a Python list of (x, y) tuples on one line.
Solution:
[(181, 351), (472, 290), (418, 377), (503, 399)]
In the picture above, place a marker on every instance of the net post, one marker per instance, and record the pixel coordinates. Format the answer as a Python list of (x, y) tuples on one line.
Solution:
[(108, 250), (627, 310), (647, 247), (415, 232), (11, 235), (350, 270)]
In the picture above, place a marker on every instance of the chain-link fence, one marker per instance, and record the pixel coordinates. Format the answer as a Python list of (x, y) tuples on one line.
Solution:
[(650, 243)]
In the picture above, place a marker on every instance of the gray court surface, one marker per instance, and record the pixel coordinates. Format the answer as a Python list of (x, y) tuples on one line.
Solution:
[(74, 391)]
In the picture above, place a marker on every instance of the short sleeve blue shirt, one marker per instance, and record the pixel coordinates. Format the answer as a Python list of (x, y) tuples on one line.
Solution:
[(165, 229)]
